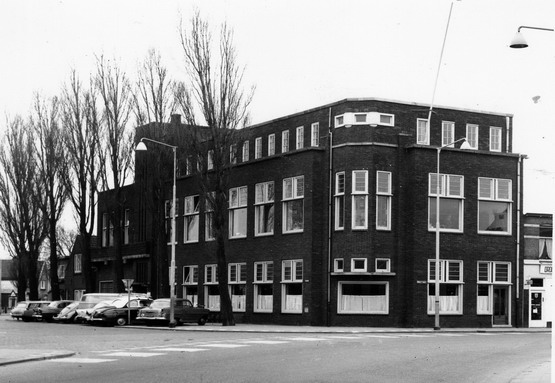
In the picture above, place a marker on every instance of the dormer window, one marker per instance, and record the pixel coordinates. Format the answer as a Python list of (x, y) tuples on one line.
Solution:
[(367, 118)]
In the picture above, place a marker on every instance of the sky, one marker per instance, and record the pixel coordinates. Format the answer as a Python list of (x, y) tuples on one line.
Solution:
[(304, 54)]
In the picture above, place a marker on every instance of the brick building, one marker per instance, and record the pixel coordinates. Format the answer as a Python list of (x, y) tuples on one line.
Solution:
[(538, 270), (332, 221)]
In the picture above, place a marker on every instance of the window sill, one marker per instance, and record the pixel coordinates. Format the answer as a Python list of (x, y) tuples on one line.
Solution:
[(375, 273), (188, 242), (496, 233), (263, 234), (238, 237), (294, 232), (361, 313)]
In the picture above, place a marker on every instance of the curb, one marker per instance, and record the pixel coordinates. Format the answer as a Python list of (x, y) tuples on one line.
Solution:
[(46, 356)]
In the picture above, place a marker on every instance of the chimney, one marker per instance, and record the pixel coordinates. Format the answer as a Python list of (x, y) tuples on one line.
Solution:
[(176, 119)]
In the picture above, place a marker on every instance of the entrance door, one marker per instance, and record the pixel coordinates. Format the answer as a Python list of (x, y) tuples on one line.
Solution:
[(500, 305), (537, 317)]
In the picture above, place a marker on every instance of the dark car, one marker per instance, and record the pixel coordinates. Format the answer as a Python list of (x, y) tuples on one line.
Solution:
[(185, 312), (28, 310), (118, 311), (54, 308), (67, 314)]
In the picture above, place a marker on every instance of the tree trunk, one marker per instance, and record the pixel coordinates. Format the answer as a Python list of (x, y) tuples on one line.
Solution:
[(54, 282), (21, 277)]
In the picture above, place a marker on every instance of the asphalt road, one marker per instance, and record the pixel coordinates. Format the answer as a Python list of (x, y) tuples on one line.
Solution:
[(149, 355)]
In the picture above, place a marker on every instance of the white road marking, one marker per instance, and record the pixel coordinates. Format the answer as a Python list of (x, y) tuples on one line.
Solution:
[(81, 360), (135, 354), (381, 336), (344, 337), (221, 345), (179, 349), (309, 339), (265, 342), (448, 334), (417, 336)]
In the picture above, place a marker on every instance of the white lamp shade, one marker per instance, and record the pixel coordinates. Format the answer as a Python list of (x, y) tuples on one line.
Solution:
[(465, 145), (141, 147), (518, 41)]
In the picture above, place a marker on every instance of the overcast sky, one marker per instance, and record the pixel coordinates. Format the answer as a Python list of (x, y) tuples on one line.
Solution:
[(303, 54)]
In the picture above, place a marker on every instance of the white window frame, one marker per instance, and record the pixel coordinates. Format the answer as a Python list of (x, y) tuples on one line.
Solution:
[(190, 283), (77, 263), (499, 193), (265, 281), (290, 197), (62, 271), (258, 148), (447, 133), (422, 138), (245, 151), (472, 136), (387, 269), (383, 194), (271, 144), (232, 154), (447, 192), (338, 265), (361, 118), (315, 134), (339, 199), (299, 138), (445, 278), (341, 309), (363, 269), (191, 212), (294, 279), (211, 302), (210, 160), (486, 308), (495, 138), (126, 215), (263, 202), (359, 193), (239, 270), (105, 225), (238, 206), (285, 141)]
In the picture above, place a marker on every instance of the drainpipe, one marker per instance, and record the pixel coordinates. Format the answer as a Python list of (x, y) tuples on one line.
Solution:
[(330, 221), (521, 157)]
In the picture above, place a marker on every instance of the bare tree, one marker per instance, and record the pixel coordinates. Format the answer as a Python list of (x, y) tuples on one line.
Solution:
[(81, 138), (217, 91), (22, 222), (50, 160), (116, 97)]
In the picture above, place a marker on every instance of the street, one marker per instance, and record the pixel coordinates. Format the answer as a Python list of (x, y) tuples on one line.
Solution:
[(154, 355)]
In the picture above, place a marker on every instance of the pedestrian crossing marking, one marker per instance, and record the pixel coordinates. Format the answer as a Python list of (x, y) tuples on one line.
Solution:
[(266, 342), (381, 336), (309, 339), (179, 349), (344, 337), (450, 334), (135, 354), (418, 336), (221, 345), (81, 360)]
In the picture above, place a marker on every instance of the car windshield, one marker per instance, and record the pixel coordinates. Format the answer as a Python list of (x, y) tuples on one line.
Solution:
[(160, 303), (54, 304), (119, 303), (22, 304)]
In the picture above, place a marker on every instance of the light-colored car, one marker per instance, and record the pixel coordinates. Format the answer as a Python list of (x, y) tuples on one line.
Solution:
[(88, 301), (118, 311), (184, 312), (28, 310), (67, 314), (54, 308)]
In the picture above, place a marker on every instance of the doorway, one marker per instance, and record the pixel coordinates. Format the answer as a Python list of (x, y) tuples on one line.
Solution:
[(500, 305), (537, 317)]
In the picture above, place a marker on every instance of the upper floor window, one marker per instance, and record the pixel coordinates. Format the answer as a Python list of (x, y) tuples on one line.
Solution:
[(451, 192), (271, 144), (293, 204), (190, 275), (361, 118), (237, 273), (210, 160), (264, 208), (300, 137), (447, 133), (383, 200), (246, 151), (238, 212), (233, 154), (105, 229), (211, 274), (285, 141), (126, 226), (360, 200), (315, 134), (209, 217), (258, 148), (494, 205), (191, 219), (472, 136), (62, 271), (77, 265), (494, 139), (422, 132), (339, 201)]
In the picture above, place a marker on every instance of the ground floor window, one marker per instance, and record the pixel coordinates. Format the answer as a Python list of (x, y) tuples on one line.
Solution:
[(212, 297), (105, 287), (238, 297), (292, 298), (191, 293), (263, 297), (450, 298), (363, 298)]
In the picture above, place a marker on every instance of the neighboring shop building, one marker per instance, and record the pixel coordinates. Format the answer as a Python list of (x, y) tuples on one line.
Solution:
[(538, 270)]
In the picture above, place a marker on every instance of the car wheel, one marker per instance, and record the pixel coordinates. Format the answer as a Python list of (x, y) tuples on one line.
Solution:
[(202, 321), (121, 321)]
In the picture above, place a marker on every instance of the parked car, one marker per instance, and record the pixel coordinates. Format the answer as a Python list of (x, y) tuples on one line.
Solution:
[(184, 312), (54, 308), (27, 311), (67, 314), (88, 301), (118, 311)]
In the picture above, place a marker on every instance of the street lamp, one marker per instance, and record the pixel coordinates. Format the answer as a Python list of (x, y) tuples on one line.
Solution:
[(519, 41), (465, 145), (142, 147)]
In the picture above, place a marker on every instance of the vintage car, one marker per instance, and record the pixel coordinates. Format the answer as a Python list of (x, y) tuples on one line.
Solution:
[(67, 314), (54, 308), (118, 311), (90, 300), (28, 310), (184, 312)]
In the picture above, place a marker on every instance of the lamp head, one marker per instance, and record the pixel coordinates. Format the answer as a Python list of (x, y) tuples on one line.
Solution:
[(141, 147), (518, 41), (465, 145)]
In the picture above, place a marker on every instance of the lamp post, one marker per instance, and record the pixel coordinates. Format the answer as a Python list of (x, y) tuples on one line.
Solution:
[(519, 41), (465, 145), (142, 147)]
